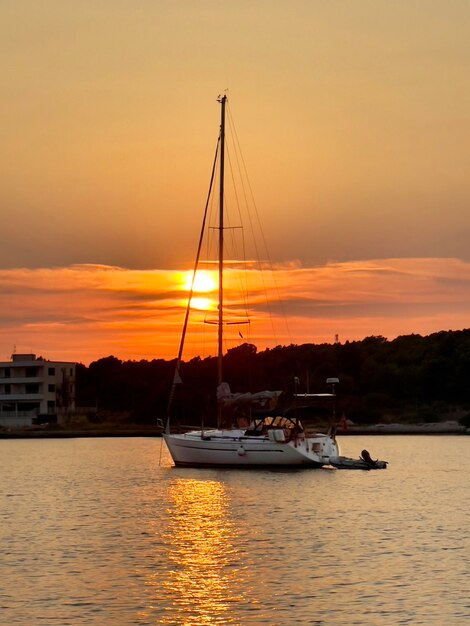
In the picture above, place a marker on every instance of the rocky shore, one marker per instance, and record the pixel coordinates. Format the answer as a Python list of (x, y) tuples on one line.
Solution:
[(434, 428)]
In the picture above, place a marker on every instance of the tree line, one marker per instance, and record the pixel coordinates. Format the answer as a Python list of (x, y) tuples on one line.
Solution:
[(408, 378)]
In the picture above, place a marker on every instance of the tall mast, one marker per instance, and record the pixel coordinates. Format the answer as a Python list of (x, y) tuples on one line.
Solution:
[(222, 101)]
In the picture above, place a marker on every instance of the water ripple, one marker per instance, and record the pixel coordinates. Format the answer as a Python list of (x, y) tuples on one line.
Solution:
[(95, 531)]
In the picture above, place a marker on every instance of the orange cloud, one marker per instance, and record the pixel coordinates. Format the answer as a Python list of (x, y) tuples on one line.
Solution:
[(84, 312)]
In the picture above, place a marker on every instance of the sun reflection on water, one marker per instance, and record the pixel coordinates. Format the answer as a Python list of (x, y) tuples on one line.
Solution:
[(205, 578)]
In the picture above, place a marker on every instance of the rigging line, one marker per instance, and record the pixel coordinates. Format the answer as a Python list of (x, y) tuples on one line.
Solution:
[(237, 152), (243, 284), (176, 377), (276, 286), (210, 242), (243, 287), (241, 276), (244, 176)]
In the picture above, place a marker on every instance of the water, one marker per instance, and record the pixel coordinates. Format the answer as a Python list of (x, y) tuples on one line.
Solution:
[(105, 531)]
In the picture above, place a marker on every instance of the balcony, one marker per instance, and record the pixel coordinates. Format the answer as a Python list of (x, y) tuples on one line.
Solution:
[(32, 413), (16, 380), (25, 397)]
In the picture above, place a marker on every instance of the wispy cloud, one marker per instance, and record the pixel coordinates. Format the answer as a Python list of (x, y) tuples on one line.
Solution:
[(83, 312)]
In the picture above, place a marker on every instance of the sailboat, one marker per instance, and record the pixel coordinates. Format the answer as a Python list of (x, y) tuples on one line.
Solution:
[(265, 440)]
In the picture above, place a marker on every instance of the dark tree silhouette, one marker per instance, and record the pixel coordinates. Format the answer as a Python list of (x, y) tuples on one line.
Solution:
[(378, 378)]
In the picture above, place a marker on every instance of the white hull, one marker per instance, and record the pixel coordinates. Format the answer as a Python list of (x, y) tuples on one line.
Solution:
[(232, 448)]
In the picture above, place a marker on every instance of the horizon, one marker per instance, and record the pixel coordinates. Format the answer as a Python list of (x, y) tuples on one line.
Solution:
[(83, 313)]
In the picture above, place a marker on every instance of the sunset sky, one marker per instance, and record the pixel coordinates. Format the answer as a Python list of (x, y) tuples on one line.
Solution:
[(354, 120)]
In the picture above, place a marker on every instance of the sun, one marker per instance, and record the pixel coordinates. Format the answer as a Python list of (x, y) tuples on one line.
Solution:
[(204, 281), (202, 304)]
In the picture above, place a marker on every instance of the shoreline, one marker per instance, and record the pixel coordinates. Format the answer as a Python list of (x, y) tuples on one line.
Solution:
[(78, 434), (449, 427), (437, 428)]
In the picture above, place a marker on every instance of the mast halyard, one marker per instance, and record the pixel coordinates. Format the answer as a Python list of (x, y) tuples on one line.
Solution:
[(222, 101)]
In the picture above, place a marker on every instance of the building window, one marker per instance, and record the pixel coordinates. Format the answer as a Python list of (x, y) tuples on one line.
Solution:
[(7, 373), (7, 389), (51, 387), (31, 388), (31, 372), (50, 406), (51, 371)]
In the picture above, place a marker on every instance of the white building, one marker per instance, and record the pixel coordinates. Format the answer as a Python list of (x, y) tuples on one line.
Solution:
[(34, 390)]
